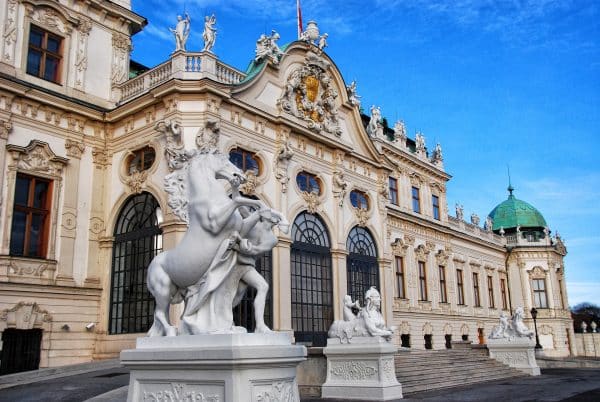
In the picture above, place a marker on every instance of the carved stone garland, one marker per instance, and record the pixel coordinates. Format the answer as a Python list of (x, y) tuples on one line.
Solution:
[(310, 95)]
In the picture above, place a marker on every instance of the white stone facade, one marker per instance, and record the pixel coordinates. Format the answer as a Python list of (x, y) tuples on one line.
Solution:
[(80, 133)]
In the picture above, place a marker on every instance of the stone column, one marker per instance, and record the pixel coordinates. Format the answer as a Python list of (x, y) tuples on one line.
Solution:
[(340, 280), (5, 129), (69, 213), (97, 224), (386, 279), (282, 285)]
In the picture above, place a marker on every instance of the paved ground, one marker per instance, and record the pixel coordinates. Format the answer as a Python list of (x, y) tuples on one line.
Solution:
[(571, 385)]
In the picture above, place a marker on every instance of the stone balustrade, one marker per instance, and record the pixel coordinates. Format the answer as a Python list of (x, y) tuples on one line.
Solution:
[(181, 65)]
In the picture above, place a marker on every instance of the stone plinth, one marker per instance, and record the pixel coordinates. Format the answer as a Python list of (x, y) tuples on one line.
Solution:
[(515, 352), (214, 368), (361, 370)]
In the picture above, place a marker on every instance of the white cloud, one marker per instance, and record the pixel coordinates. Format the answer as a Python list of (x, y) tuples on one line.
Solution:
[(579, 292), (158, 32)]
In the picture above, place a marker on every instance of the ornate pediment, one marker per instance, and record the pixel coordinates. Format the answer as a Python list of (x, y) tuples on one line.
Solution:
[(25, 315), (310, 94), (37, 157)]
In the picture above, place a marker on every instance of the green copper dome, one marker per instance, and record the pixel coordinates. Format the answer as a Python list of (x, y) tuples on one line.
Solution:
[(513, 212)]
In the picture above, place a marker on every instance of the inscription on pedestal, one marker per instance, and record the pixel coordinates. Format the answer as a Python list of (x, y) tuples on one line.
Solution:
[(182, 392)]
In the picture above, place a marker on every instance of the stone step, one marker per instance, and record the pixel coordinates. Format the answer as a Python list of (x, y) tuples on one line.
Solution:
[(424, 370), (435, 375), (444, 371), (422, 387), (451, 366)]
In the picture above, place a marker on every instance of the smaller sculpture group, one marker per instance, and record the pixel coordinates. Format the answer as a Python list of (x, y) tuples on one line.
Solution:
[(368, 322), (513, 328), (267, 48), (311, 36)]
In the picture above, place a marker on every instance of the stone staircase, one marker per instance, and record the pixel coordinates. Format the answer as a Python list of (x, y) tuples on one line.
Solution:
[(426, 370)]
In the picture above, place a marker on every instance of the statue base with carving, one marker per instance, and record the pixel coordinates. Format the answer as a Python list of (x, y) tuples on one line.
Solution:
[(214, 368), (361, 370), (511, 343), (360, 355), (517, 353)]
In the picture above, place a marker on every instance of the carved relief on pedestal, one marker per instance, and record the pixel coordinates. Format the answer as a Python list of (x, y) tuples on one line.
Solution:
[(100, 156), (310, 95), (180, 392), (353, 370), (10, 32), (284, 391)]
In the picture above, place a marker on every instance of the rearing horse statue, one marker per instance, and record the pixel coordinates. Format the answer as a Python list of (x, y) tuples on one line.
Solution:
[(209, 268)]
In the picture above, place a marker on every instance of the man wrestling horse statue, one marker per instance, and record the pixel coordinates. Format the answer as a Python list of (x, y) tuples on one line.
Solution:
[(214, 262)]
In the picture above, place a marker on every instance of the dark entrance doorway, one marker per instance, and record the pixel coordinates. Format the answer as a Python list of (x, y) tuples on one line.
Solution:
[(20, 350)]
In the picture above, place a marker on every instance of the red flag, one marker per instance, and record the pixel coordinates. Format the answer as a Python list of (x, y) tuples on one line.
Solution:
[(299, 18)]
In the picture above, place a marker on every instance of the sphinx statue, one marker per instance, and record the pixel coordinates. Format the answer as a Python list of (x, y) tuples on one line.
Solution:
[(368, 322)]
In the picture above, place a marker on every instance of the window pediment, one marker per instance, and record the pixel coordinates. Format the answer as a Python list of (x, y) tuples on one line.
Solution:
[(37, 157)]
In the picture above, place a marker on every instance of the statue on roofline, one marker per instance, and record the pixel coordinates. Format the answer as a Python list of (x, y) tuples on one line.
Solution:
[(181, 32)]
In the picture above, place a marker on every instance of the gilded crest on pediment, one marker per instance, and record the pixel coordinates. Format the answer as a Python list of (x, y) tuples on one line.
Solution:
[(310, 95)]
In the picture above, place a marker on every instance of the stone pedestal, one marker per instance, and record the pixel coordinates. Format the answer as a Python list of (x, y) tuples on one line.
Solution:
[(515, 352), (214, 368), (361, 370)]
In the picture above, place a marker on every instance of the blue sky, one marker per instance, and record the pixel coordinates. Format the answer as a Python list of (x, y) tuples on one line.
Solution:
[(497, 83)]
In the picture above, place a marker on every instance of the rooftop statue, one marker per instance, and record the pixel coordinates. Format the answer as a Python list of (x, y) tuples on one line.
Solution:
[(420, 142), (375, 128), (400, 132), (489, 224), (460, 211), (353, 97), (437, 154), (368, 322), (181, 32), (266, 48), (513, 328), (209, 35), (213, 264), (475, 219)]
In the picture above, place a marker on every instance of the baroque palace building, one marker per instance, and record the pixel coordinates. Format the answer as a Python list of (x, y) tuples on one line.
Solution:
[(83, 209)]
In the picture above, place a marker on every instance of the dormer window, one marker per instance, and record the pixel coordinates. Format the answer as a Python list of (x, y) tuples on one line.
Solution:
[(44, 54), (308, 182), (359, 199), (244, 160)]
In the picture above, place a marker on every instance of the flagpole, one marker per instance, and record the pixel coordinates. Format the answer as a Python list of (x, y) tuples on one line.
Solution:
[(299, 18)]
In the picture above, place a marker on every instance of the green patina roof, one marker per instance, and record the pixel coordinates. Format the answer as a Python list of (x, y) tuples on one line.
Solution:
[(254, 68), (513, 212)]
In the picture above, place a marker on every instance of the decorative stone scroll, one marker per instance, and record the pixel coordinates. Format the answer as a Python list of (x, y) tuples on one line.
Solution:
[(310, 95)]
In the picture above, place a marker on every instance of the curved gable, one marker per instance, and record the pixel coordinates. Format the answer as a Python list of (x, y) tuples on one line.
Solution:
[(307, 90)]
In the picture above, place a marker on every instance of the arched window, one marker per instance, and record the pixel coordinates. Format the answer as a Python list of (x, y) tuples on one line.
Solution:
[(362, 266), (312, 308), (137, 240)]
